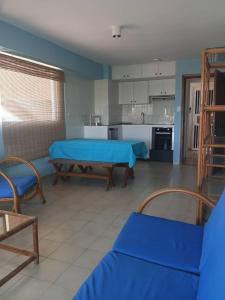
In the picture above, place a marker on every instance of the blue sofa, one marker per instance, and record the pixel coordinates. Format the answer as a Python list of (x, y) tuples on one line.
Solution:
[(159, 259)]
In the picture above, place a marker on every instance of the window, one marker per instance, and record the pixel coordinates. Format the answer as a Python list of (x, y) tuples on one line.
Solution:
[(32, 109)]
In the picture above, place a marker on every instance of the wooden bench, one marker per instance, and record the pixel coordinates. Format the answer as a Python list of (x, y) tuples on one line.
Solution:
[(65, 168)]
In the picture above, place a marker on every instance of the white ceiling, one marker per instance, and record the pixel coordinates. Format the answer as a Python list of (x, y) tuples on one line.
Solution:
[(168, 29)]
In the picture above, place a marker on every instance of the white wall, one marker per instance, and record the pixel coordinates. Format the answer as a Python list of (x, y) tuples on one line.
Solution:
[(101, 100), (107, 102), (115, 109), (79, 104)]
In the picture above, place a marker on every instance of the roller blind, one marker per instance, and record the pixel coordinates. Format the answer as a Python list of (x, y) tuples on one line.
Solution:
[(32, 107)]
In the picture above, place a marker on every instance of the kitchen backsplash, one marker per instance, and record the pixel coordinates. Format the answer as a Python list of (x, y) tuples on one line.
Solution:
[(158, 112)]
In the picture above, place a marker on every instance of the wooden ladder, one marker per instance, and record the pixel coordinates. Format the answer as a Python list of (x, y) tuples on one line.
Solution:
[(207, 142)]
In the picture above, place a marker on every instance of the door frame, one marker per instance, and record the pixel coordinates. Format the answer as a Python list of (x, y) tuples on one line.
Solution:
[(183, 120), (183, 105)]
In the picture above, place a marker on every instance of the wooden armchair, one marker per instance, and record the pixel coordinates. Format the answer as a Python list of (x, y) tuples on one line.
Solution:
[(20, 188), (202, 200)]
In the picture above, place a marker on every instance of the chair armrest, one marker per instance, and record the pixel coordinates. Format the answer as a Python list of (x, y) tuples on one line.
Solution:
[(25, 162), (200, 198), (11, 183)]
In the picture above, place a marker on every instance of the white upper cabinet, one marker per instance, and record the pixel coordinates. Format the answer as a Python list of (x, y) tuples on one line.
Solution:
[(159, 69), (169, 86), (167, 68), (161, 87), (149, 70), (125, 92), (141, 92), (155, 87), (133, 92), (126, 72)]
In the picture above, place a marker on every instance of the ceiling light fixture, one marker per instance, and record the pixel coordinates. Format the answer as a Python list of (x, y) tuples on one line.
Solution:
[(116, 31), (156, 59)]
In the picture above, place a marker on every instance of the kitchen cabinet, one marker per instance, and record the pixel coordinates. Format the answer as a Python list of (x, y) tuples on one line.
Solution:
[(140, 92), (159, 69), (137, 133), (162, 87), (169, 86), (126, 92), (133, 92), (126, 72), (148, 70), (96, 132), (167, 68)]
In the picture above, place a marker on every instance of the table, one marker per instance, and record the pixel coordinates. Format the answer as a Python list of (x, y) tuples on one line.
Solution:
[(89, 153), (10, 224)]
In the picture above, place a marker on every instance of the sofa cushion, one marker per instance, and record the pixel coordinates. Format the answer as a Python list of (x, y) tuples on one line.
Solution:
[(212, 266), (169, 243), (120, 277), (23, 184)]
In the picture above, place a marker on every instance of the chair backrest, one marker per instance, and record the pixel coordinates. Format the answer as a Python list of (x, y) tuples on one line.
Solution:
[(212, 265)]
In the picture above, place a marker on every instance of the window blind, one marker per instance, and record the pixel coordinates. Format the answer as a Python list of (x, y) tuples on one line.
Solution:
[(32, 107)]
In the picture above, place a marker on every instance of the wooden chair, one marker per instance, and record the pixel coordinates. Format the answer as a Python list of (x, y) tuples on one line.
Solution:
[(20, 188)]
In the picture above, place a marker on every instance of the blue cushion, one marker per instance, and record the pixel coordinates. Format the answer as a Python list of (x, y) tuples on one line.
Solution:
[(22, 184), (122, 277), (212, 266), (169, 243)]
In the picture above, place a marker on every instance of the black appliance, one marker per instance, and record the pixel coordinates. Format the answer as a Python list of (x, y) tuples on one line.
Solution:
[(219, 123), (161, 144)]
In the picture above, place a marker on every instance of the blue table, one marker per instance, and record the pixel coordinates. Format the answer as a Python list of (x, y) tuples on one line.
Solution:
[(111, 151), (87, 153)]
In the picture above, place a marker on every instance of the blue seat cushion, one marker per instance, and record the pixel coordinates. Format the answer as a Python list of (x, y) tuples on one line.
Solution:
[(122, 277), (212, 266), (22, 183), (169, 243)]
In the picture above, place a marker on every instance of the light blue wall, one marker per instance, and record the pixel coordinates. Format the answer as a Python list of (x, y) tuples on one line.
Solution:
[(107, 72), (183, 67), (28, 45), (22, 43)]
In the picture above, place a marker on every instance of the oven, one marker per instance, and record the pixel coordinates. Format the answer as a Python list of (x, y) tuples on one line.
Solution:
[(162, 144)]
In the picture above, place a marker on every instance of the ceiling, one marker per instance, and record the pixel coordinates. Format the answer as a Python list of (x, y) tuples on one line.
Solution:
[(166, 29)]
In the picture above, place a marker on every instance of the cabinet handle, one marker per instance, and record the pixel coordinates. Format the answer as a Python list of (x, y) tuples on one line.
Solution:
[(155, 73), (160, 73), (128, 76)]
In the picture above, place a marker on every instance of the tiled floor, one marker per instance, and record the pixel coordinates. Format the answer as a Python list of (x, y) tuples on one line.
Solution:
[(79, 223)]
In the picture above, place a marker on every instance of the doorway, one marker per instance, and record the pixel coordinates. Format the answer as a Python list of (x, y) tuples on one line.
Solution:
[(191, 118)]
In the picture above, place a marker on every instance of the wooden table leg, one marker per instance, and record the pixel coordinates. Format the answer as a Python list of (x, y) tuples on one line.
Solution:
[(70, 169), (58, 168), (109, 180), (131, 171), (126, 175), (35, 241), (83, 169)]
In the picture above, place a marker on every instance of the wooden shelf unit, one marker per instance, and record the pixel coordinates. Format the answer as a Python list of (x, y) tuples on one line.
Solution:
[(207, 143)]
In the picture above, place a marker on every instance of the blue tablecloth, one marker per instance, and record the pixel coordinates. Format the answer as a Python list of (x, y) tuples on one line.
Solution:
[(112, 151)]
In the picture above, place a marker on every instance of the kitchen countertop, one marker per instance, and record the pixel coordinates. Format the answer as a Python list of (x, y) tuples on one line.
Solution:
[(130, 124)]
